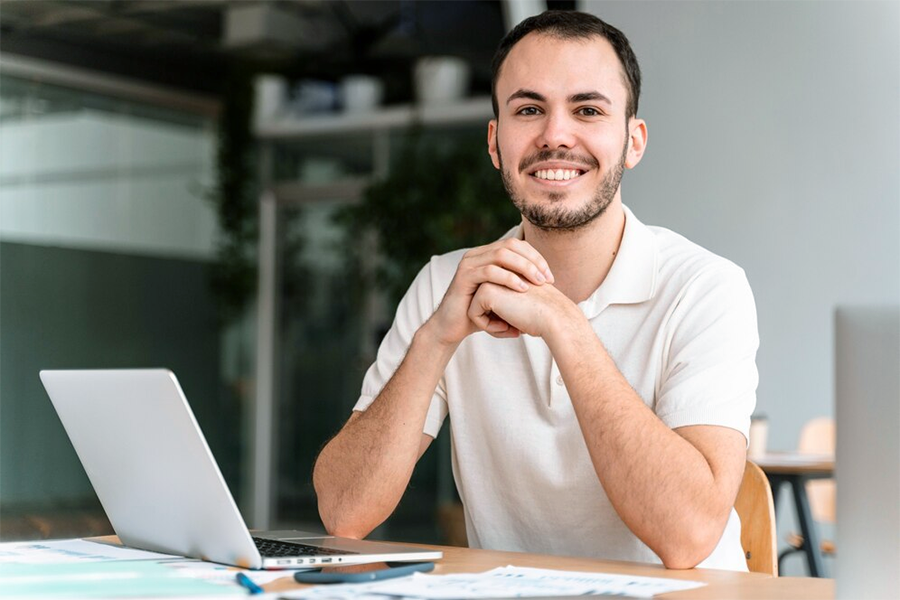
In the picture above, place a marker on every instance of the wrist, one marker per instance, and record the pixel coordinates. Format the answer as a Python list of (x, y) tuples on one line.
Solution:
[(430, 339), (565, 325)]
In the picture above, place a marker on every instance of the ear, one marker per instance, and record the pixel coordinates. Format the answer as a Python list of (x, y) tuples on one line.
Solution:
[(637, 143), (492, 142)]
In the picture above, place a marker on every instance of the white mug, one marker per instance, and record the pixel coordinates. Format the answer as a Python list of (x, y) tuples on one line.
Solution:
[(441, 79), (361, 93), (759, 432)]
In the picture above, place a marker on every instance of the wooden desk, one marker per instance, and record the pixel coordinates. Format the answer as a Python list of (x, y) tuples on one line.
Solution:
[(721, 584), (795, 470)]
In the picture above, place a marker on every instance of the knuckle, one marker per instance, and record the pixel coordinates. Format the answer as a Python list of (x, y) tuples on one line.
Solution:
[(471, 253), (511, 245), (493, 271), (519, 244), (489, 290), (504, 255)]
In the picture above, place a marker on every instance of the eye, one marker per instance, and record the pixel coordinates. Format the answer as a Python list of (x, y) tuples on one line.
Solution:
[(589, 111), (528, 111)]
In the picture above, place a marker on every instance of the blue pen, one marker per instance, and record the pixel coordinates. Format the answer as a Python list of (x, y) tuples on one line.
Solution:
[(248, 583)]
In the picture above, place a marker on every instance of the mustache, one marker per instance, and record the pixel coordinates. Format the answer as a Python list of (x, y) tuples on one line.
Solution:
[(561, 155)]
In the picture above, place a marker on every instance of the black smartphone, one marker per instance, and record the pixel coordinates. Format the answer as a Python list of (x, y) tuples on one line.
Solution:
[(338, 575)]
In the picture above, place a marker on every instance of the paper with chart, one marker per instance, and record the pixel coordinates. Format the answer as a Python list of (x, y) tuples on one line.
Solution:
[(105, 579), (503, 582), (71, 551), (47, 568)]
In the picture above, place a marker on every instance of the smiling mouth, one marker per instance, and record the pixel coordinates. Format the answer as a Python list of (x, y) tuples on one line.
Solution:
[(557, 174)]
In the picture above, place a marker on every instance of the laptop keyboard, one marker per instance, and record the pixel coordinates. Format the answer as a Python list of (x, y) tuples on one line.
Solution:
[(275, 549)]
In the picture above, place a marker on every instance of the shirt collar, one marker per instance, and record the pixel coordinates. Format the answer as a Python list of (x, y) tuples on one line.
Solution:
[(632, 278)]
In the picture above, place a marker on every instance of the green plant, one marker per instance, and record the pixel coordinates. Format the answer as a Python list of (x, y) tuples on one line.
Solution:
[(233, 275), (441, 193)]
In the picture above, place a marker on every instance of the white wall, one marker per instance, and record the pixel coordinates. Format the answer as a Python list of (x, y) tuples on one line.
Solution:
[(774, 140)]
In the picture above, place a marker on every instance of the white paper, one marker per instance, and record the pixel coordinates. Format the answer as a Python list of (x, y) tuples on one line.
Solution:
[(71, 551), (210, 571), (508, 582)]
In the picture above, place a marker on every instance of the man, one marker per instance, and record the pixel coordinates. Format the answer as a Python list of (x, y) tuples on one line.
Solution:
[(599, 373)]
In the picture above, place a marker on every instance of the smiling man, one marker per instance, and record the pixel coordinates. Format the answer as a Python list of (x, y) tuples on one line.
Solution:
[(599, 373)]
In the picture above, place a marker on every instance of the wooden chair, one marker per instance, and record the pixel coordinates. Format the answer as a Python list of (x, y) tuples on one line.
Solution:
[(816, 437), (756, 508)]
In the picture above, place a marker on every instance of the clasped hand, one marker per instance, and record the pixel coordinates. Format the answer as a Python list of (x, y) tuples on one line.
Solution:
[(502, 289)]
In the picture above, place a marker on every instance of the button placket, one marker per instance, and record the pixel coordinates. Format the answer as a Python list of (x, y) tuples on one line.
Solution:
[(557, 385)]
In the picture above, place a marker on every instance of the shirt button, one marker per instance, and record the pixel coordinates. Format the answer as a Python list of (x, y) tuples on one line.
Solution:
[(559, 380)]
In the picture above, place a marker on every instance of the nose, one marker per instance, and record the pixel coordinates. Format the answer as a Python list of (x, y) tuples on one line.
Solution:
[(558, 131)]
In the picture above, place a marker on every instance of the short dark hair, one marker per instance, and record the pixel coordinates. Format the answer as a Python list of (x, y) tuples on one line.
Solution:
[(570, 24)]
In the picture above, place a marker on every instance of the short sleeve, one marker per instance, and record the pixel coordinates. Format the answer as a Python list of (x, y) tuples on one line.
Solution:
[(416, 307), (709, 375)]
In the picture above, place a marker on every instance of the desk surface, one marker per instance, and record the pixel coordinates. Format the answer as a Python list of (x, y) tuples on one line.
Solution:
[(721, 584), (793, 463)]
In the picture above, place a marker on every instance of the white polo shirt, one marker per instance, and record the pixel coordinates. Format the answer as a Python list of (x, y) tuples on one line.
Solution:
[(680, 324)]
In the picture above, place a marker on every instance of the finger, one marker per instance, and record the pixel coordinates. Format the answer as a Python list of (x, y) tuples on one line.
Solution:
[(520, 264), (497, 325), (512, 332), (504, 252), (498, 275), (528, 251), (479, 317), (508, 332), (480, 312), (503, 267)]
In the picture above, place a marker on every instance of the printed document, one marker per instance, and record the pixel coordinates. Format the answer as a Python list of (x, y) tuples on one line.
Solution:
[(70, 551), (503, 582)]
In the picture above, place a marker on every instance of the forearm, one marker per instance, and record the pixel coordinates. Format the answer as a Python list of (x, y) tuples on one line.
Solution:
[(362, 473), (660, 484)]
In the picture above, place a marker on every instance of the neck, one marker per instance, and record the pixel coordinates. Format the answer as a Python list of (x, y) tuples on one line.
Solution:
[(581, 259)]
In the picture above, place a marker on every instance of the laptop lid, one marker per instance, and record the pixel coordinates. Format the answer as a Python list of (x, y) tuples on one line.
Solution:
[(149, 464), (162, 490)]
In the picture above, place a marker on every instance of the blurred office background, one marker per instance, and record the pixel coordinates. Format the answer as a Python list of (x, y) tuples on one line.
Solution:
[(237, 191)]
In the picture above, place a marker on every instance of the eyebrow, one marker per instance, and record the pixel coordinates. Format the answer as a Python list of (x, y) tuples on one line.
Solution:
[(574, 98), (587, 96), (529, 94)]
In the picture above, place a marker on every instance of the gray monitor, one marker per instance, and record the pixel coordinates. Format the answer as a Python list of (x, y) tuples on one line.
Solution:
[(867, 467)]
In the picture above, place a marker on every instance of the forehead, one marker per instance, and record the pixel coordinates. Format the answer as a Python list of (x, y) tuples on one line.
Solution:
[(555, 67)]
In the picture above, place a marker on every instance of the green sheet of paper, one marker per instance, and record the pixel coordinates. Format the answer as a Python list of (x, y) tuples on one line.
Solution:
[(129, 579)]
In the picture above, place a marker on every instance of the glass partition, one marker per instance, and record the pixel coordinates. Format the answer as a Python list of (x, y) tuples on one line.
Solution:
[(106, 237), (332, 315)]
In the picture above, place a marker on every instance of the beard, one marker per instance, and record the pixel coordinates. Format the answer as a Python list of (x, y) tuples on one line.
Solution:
[(554, 216)]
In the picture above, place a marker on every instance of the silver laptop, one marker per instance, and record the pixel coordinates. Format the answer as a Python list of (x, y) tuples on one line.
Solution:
[(160, 485)]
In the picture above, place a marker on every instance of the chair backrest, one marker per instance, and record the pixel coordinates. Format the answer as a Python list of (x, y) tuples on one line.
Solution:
[(755, 507), (818, 437)]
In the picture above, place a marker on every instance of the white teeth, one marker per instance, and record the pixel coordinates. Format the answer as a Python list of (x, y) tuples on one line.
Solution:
[(557, 175)]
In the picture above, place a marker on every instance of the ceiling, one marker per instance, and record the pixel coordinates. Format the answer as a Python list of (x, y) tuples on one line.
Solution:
[(190, 44)]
